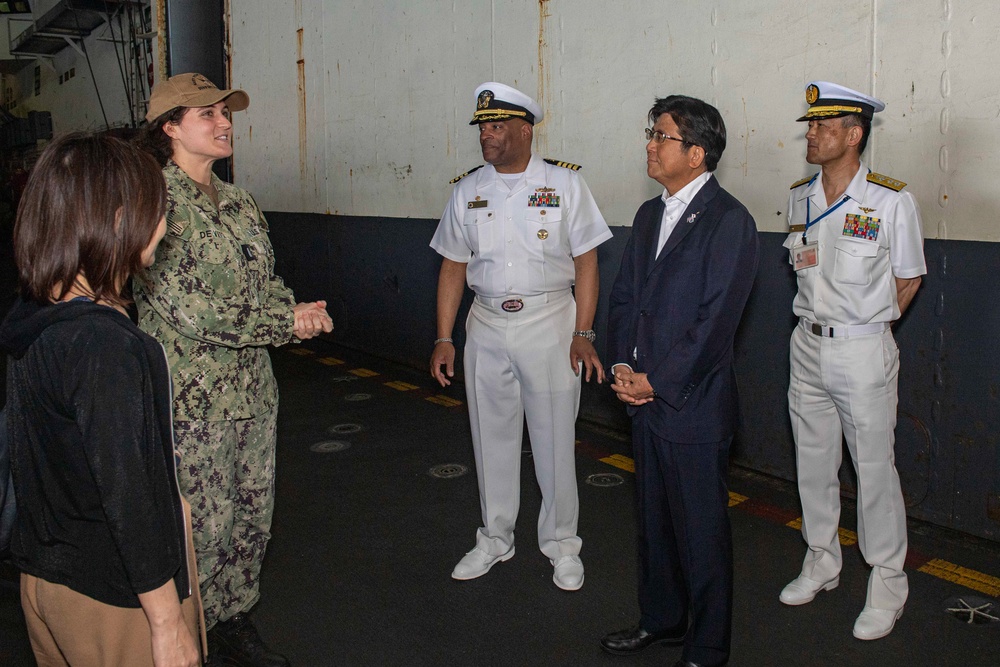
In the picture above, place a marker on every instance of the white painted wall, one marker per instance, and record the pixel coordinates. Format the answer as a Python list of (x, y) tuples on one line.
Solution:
[(360, 107)]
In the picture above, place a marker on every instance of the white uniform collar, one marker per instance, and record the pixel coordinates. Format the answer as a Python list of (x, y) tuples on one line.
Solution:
[(855, 189)]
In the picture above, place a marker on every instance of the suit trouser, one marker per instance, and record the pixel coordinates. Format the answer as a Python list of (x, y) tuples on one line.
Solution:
[(847, 387), (685, 541), (227, 473), (516, 368)]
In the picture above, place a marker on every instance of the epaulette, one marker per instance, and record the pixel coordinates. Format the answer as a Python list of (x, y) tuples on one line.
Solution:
[(566, 165), (803, 181), (458, 178), (176, 224), (886, 182)]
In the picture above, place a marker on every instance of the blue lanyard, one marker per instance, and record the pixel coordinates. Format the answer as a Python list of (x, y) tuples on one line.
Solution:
[(810, 223)]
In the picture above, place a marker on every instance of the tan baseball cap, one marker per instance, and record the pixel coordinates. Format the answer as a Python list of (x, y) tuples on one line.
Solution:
[(191, 90)]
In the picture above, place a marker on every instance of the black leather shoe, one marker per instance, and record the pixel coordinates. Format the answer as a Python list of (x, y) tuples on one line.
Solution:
[(236, 643), (635, 639)]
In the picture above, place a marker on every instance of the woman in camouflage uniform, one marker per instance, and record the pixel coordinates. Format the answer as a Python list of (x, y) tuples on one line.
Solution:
[(215, 304)]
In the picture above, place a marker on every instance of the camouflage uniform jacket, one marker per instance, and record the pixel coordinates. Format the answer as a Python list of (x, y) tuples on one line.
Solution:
[(214, 302)]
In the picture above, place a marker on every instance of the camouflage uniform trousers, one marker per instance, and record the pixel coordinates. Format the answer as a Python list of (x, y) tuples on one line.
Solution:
[(227, 474)]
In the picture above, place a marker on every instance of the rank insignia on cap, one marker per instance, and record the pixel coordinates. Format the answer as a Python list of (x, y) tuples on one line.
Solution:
[(832, 100), (497, 102)]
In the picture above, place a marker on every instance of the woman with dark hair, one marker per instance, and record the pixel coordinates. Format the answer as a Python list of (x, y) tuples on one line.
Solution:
[(215, 303), (106, 574)]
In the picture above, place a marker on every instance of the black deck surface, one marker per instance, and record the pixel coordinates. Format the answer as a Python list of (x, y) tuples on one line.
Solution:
[(364, 539)]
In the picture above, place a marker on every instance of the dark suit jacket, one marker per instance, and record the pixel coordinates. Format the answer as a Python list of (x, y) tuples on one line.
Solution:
[(679, 312)]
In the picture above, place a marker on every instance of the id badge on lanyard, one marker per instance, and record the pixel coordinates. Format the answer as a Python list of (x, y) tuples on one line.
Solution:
[(807, 255)]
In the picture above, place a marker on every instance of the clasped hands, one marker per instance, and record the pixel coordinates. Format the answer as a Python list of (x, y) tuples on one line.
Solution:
[(311, 319), (631, 387)]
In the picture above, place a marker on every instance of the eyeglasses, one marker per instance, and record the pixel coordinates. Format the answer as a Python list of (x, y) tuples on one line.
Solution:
[(659, 137)]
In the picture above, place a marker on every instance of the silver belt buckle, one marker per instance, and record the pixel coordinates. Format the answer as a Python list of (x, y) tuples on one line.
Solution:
[(512, 305)]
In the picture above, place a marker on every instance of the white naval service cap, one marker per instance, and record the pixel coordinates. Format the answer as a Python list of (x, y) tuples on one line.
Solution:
[(498, 101), (831, 100)]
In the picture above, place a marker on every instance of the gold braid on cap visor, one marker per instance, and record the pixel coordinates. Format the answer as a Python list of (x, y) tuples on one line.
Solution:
[(487, 115), (823, 112)]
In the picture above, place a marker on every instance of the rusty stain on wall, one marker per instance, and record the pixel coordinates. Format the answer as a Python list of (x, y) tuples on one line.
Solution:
[(543, 72), (161, 40), (303, 144)]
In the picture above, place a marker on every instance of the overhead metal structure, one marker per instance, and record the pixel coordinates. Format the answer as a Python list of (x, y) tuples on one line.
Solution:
[(65, 25)]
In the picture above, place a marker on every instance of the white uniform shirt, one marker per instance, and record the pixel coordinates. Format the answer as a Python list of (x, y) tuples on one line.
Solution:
[(872, 238), (520, 240)]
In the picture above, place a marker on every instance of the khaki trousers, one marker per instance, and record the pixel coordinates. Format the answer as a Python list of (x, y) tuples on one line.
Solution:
[(69, 628)]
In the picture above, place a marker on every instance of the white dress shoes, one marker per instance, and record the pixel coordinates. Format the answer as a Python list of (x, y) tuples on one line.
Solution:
[(477, 562), (875, 623), (802, 589), (568, 572)]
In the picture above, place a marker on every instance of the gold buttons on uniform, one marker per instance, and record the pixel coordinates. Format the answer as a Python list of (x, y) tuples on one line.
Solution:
[(543, 234)]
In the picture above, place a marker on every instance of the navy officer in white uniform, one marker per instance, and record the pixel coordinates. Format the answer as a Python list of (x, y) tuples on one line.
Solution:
[(856, 245), (522, 231)]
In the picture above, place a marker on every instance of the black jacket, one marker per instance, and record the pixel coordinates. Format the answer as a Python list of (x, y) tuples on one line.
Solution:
[(91, 441)]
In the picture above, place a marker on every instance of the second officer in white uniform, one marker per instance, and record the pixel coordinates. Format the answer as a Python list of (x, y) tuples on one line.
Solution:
[(856, 245), (521, 231)]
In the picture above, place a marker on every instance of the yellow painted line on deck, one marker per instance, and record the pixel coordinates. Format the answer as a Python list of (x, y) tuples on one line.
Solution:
[(847, 537), (330, 361), (619, 461), (736, 498), (362, 372), (962, 576), (401, 386), (302, 351), (446, 401)]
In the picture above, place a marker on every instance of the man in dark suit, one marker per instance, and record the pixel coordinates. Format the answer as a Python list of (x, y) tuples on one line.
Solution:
[(685, 277)]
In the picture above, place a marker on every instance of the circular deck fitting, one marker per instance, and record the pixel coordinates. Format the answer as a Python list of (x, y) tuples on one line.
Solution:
[(344, 429), (604, 479), (330, 446), (973, 610), (357, 397), (448, 470)]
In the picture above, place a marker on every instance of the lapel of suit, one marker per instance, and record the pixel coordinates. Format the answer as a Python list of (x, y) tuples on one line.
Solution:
[(651, 235), (688, 218)]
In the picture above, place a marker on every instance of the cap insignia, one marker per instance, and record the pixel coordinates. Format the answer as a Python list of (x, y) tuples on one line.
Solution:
[(485, 98), (812, 94)]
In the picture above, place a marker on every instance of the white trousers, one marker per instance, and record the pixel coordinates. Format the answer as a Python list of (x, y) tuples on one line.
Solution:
[(516, 367), (847, 387)]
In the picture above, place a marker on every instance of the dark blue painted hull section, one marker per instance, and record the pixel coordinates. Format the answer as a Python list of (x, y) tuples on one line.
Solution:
[(380, 277)]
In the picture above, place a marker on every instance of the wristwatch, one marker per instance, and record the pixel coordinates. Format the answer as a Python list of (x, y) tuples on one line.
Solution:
[(588, 334)]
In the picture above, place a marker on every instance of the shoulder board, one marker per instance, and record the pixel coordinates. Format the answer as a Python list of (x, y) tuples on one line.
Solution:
[(807, 179), (886, 182), (458, 178), (566, 165)]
